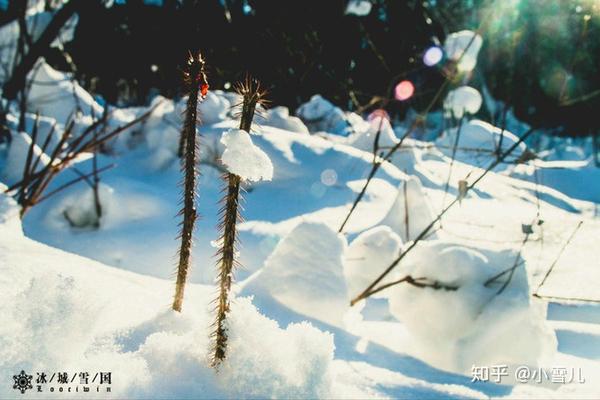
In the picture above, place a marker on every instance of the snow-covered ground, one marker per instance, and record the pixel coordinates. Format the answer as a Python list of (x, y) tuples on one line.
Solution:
[(86, 299)]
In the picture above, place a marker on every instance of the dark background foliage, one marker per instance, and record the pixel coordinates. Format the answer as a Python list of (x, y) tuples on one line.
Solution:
[(541, 56)]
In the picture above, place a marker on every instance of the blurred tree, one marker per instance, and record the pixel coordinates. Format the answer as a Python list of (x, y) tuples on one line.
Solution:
[(538, 55)]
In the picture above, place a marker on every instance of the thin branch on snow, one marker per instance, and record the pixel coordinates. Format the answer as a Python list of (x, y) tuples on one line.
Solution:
[(557, 258)]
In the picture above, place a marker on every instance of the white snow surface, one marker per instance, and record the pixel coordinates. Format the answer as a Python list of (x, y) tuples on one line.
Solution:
[(368, 255), (213, 108), (77, 313), (305, 281), (279, 117)]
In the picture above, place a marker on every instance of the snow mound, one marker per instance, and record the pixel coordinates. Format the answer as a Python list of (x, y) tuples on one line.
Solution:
[(480, 135), (457, 44), (305, 273), (366, 140), (471, 324), (411, 198), (17, 158), (464, 99), (408, 157), (161, 133), (213, 108), (279, 117), (320, 114), (55, 94), (243, 158), (129, 138), (368, 256)]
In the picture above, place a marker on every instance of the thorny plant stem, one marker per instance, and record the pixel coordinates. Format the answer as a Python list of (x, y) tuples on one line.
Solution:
[(194, 78), (229, 217)]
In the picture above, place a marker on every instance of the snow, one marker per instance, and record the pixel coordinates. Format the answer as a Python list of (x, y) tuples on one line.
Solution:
[(212, 109), (360, 8), (484, 327), (479, 136), (161, 133), (279, 117), (564, 176), (369, 254), (411, 212), (117, 209), (15, 161), (305, 281), (568, 153), (9, 214), (365, 140), (463, 100), (243, 158), (300, 368), (55, 94), (81, 314), (44, 129), (463, 46), (320, 114)]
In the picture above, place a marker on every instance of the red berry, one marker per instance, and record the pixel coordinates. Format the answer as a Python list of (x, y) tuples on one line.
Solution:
[(204, 89)]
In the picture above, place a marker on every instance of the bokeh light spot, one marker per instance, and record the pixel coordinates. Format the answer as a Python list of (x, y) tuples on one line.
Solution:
[(329, 177), (404, 90), (432, 56)]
